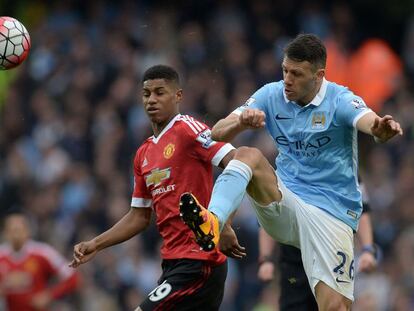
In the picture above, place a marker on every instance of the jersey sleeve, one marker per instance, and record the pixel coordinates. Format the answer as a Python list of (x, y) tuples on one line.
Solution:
[(257, 101), (141, 198), (365, 198), (200, 143), (350, 109)]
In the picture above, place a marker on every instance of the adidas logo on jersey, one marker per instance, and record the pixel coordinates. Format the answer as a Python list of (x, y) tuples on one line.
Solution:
[(145, 163)]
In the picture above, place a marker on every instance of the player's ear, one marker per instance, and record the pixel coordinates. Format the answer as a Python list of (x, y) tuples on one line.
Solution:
[(320, 73), (179, 95)]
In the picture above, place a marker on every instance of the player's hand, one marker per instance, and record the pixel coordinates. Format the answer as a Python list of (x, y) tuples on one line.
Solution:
[(266, 271), (83, 252), (367, 262), (385, 128), (252, 119), (229, 244), (41, 300)]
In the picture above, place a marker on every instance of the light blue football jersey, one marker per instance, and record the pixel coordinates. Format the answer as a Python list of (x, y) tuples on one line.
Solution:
[(317, 144)]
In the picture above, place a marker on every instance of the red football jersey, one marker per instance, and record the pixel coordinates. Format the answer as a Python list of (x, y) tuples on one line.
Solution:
[(26, 273), (180, 159)]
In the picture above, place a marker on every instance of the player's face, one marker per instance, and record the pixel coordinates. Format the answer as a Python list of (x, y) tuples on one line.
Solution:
[(16, 231), (160, 98), (302, 80)]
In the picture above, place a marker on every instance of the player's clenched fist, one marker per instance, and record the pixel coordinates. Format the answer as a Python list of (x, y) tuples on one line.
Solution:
[(252, 118), (83, 252)]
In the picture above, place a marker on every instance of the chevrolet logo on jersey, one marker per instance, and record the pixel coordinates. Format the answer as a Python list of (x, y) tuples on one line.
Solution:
[(157, 176)]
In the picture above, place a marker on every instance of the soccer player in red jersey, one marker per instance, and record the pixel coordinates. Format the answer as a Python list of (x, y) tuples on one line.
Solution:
[(178, 158), (27, 266)]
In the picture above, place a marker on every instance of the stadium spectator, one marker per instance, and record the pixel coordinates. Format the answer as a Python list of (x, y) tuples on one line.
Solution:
[(28, 269)]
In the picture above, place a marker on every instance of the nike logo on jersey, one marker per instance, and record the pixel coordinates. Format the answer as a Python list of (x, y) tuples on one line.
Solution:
[(341, 281), (279, 117)]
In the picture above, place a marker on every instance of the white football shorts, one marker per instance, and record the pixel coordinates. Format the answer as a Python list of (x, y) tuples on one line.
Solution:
[(326, 243)]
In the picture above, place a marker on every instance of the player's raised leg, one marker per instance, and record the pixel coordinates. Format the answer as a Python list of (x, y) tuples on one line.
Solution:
[(249, 170), (330, 300), (204, 224)]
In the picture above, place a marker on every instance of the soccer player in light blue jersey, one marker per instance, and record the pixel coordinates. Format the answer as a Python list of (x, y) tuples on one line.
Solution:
[(312, 201)]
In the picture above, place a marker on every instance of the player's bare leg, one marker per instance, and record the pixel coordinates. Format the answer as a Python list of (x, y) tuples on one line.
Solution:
[(248, 171), (263, 186), (330, 300)]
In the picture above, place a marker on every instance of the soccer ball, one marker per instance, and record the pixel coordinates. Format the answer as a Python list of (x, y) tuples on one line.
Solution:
[(14, 43)]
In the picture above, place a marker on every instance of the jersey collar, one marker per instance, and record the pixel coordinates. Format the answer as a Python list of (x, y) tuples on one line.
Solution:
[(317, 100), (20, 254), (169, 125)]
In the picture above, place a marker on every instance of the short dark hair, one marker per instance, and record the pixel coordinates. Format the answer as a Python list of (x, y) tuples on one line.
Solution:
[(161, 72), (307, 47)]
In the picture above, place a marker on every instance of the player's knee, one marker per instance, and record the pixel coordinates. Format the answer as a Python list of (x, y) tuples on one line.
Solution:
[(250, 156)]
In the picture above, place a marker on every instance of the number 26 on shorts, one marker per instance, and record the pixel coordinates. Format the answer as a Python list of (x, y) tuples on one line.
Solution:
[(339, 269)]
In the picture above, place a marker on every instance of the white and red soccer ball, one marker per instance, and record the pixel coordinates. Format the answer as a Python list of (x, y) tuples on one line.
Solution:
[(14, 43)]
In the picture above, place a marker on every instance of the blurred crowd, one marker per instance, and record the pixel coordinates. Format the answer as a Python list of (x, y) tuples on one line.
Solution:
[(71, 120)]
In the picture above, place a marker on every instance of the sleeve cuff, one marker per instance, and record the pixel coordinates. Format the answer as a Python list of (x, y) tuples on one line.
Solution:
[(221, 154), (363, 113), (141, 203)]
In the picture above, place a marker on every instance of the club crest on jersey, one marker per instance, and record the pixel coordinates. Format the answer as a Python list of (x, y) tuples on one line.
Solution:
[(157, 176), (318, 120), (205, 139), (169, 151), (31, 265)]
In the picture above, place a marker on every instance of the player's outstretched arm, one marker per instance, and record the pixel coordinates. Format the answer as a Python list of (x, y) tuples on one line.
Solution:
[(228, 128), (135, 221), (382, 129)]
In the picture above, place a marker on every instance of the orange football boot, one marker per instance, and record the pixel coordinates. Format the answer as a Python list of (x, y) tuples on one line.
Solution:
[(201, 221)]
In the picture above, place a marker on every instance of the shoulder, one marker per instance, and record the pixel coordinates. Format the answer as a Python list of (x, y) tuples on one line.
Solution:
[(141, 149), (272, 87), (278, 85), (339, 92), (196, 132), (342, 95), (266, 93), (191, 126), (41, 249), (4, 250)]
